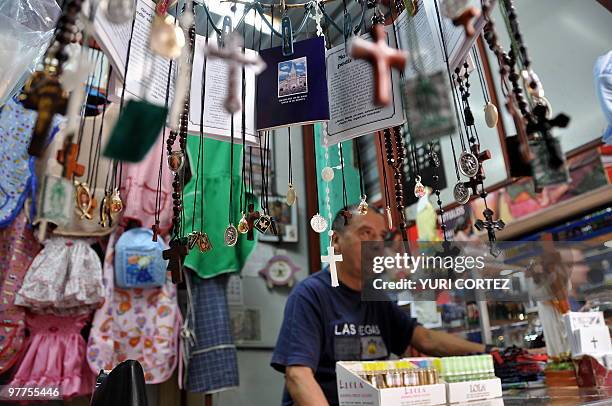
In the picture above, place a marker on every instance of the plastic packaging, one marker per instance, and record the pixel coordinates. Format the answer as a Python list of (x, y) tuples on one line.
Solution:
[(26, 27)]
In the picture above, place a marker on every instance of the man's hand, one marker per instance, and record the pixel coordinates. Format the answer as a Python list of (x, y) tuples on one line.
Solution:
[(440, 344), (303, 388)]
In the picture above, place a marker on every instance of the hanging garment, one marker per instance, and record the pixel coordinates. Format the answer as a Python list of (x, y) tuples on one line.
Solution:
[(48, 165), (55, 356), (139, 186), (64, 278), (17, 180), (215, 175), (139, 260), (212, 364), (139, 324), (18, 247)]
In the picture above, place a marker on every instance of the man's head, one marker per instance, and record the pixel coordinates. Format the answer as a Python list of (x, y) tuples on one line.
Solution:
[(347, 239)]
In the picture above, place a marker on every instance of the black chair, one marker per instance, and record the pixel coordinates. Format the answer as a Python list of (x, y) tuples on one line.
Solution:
[(123, 386)]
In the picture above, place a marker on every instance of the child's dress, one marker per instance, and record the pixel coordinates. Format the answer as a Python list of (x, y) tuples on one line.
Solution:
[(55, 357), (64, 278)]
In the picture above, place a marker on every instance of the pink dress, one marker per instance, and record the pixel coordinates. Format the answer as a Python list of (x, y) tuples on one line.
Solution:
[(55, 356)]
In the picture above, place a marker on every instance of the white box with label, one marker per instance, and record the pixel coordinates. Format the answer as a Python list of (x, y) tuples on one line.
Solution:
[(461, 392), (355, 391)]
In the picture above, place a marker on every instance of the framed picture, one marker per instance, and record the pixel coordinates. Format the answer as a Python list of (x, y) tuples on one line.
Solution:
[(286, 220)]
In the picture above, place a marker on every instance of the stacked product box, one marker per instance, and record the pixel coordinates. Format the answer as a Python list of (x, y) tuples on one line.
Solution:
[(418, 381)]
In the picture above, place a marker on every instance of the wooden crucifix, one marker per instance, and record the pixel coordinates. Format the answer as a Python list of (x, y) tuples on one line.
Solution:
[(232, 52), (251, 217), (175, 256), (382, 58), (67, 156), (480, 175), (544, 125), (43, 93), (466, 18)]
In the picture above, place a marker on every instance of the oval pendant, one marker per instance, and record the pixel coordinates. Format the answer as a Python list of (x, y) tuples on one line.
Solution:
[(461, 193), (291, 195), (419, 188), (363, 206), (468, 164), (389, 217), (327, 174), (116, 204), (84, 200), (204, 244), (176, 160), (491, 115), (230, 237), (318, 223), (243, 225)]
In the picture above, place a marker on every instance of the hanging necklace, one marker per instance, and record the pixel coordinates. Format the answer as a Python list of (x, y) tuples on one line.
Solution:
[(397, 165), (318, 222), (490, 110), (363, 204), (388, 214), (179, 245), (345, 212), (291, 193)]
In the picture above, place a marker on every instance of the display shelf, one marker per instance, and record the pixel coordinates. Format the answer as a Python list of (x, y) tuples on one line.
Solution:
[(565, 210)]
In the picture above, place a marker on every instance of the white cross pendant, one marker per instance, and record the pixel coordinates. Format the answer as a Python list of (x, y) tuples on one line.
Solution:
[(331, 258)]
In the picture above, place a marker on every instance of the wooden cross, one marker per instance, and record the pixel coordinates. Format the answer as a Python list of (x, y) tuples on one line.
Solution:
[(480, 175), (68, 158), (465, 19), (331, 258), (176, 256), (251, 217), (490, 224), (544, 126), (382, 58), (43, 93), (232, 53)]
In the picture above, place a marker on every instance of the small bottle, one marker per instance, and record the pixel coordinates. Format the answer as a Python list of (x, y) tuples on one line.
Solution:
[(379, 378)]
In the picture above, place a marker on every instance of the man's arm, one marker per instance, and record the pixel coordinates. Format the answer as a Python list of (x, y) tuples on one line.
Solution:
[(303, 388), (439, 344)]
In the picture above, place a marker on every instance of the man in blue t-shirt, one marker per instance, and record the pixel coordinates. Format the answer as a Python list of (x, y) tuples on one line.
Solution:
[(323, 324)]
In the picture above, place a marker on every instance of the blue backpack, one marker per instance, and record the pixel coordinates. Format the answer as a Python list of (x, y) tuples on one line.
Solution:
[(138, 260)]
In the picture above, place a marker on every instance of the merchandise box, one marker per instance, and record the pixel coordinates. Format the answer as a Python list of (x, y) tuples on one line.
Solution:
[(462, 392), (355, 391)]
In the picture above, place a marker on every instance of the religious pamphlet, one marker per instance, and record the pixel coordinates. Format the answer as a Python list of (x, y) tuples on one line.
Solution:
[(147, 75), (217, 121), (293, 89), (351, 96)]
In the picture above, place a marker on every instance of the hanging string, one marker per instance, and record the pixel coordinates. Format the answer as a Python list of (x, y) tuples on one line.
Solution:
[(97, 155), (290, 162), (202, 141), (359, 169), (344, 193), (90, 170), (384, 170), (481, 79)]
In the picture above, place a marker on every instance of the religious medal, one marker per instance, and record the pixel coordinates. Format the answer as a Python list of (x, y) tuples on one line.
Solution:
[(434, 158), (116, 204), (363, 206), (419, 188), (204, 244), (461, 193), (167, 39), (389, 217), (291, 195), (192, 239), (243, 225), (118, 11), (491, 115), (263, 223), (176, 160), (84, 200), (468, 164), (318, 223), (327, 174), (230, 237)]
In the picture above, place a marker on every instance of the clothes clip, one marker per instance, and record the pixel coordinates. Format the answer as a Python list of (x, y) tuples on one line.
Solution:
[(287, 33), (225, 31)]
